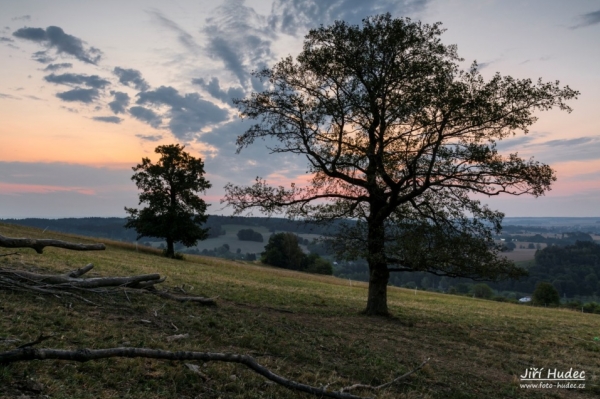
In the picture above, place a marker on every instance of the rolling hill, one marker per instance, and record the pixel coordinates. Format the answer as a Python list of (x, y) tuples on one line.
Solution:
[(305, 327)]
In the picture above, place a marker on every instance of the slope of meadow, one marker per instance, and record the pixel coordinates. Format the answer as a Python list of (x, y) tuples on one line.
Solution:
[(305, 327)]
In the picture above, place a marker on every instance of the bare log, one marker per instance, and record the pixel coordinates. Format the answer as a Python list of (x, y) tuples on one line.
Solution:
[(84, 355), (59, 284), (39, 245), (95, 282)]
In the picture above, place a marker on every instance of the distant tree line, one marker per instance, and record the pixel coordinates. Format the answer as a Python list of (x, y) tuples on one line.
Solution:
[(111, 228), (249, 235), (563, 239)]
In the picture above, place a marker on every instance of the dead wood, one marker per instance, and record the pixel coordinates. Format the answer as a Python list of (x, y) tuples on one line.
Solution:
[(387, 384), (179, 298), (39, 244), (39, 339), (63, 284), (84, 355)]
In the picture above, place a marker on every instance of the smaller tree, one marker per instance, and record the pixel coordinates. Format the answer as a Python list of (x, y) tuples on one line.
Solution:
[(170, 189), (317, 265), (545, 294), (283, 250), (509, 246), (482, 290)]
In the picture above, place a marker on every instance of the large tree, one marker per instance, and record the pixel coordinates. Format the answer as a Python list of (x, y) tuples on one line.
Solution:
[(170, 188), (397, 138)]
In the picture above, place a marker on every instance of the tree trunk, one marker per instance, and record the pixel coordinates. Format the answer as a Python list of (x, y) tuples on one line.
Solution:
[(378, 271), (170, 248)]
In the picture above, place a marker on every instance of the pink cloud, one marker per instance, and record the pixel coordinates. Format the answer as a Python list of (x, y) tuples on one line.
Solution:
[(14, 188)]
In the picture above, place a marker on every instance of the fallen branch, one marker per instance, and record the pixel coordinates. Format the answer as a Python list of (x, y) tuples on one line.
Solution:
[(39, 245), (67, 280), (387, 384), (61, 284), (39, 339), (84, 355), (179, 298)]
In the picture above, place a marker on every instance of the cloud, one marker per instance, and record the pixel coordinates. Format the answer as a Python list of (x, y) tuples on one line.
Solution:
[(94, 81), (571, 142), (146, 115), (8, 96), (240, 38), (544, 58), (55, 189), (61, 174), (6, 39), (120, 102), (184, 37), (188, 113), (516, 142), (214, 89), (589, 19), (131, 77), (83, 95), (224, 165), (292, 16), (42, 57), (55, 38), (56, 67), (108, 119), (21, 18), (557, 150), (149, 137)]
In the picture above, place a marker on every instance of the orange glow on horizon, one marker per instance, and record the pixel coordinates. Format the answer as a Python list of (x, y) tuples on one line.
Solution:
[(15, 189)]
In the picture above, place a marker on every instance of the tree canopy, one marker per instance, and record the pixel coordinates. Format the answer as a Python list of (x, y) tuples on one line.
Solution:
[(545, 295), (398, 137), (170, 189), (283, 250)]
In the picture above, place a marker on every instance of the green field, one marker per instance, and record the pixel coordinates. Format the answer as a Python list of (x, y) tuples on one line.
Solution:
[(305, 327)]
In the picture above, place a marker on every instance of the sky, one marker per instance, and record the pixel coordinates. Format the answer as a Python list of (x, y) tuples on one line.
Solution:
[(89, 88)]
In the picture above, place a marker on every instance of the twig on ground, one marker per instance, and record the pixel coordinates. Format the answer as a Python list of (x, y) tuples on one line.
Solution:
[(38, 340), (387, 384), (584, 340)]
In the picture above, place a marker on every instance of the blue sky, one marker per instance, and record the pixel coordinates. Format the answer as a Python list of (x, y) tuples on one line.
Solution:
[(89, 88)]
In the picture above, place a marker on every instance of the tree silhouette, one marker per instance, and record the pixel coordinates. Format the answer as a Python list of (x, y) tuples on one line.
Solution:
[(170, 189), (398, 137)]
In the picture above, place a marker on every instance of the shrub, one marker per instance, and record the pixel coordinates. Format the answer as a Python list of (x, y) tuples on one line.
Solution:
[(320, 266), (283, 250), (482, 290), (545, 295)]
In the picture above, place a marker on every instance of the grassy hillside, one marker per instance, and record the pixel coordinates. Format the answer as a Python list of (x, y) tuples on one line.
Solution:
[(302, 326)]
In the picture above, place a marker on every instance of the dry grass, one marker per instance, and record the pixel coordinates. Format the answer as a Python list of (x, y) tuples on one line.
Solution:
[(305, 327)]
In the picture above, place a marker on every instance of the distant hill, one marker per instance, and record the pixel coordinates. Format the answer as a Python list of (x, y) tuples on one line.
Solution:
[(113, 227)]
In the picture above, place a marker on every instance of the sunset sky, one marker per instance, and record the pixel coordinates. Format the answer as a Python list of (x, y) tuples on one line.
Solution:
[(89, 88)]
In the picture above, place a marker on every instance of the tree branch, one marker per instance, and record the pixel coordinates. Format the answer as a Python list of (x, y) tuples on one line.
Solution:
[(39, 245), (84, 355)]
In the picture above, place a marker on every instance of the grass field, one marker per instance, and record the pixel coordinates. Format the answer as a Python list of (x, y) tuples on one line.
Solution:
[(305, 327)]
